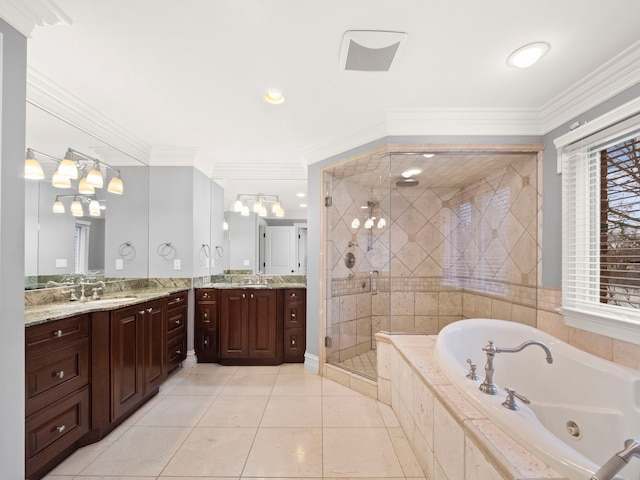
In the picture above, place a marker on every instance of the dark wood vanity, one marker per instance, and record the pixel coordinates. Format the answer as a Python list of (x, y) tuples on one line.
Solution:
[(250, 326), (86, 373)]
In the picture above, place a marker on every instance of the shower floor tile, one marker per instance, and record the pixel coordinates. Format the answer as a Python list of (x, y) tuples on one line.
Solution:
[(365, 364)]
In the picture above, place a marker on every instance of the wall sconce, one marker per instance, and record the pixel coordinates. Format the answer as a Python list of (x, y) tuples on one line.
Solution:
[(68, 168), (258, 203)]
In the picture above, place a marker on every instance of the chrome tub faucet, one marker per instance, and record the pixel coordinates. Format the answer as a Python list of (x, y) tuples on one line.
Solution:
[(487, 386)]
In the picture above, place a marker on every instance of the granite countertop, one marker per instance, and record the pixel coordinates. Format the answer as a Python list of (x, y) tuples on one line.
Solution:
[(37, 314), (264, 286)]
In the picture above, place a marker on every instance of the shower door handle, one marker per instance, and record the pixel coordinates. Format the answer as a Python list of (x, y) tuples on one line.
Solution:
[(377, 273)]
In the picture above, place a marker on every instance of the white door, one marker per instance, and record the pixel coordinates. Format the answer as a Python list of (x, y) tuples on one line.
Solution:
[(302, 250), (280, 249)]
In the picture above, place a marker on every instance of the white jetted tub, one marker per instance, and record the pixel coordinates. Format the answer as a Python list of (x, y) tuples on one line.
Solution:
[(582, 407)]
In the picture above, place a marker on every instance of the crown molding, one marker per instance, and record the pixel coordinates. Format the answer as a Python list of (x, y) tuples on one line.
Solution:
[(26, 15), (614, 77), (258, 171), (173, 156), (50, 97)]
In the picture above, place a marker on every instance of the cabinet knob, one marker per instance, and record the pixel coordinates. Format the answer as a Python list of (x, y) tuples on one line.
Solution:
[(206, 315), (61, 428), (252, 295), (206, 295), (59, 374), (244, 296), (57, 333), (177, 322), (293, 295), (293, 315), (141, 312), (150, 309), (179, 352), (206, 342)]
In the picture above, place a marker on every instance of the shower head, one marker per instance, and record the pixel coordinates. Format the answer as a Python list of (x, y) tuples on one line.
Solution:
[(407, 182)]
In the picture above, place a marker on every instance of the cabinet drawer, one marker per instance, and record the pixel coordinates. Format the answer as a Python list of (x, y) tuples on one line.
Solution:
[(206, 295), (53, 374), (52, 334), (176, 350), (51, 431), (177, 300), (176, 322)]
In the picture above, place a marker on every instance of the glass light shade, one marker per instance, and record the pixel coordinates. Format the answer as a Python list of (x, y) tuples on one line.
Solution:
[(368, 223), (225, 225), (85, 188), (60, 181), (382, 223), (116, 186), (276, 207), (58, 207), (263, 211), (237, 206), (68, 168), (257, 206), (33, 169), (94, 178), (245, 211), (94, 208), (280, 213), (355, 223), (76, 208)]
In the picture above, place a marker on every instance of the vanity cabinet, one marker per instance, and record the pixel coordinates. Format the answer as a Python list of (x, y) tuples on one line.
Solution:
[(206, 325), (249, 326), (295, 324), (176, 330), (56, 390)]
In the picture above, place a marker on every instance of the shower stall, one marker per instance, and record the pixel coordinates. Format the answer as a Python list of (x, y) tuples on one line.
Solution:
[(414, 241)]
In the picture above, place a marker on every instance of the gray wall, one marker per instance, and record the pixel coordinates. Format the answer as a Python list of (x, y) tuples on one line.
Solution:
[(31, 228), (13, 60), (201, 223), (218, 257), (127, 220)]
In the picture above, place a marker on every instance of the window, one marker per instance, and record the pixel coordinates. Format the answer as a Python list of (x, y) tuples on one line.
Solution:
[(601, 232)]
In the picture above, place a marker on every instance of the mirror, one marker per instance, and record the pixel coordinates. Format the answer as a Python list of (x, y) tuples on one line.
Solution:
[(59, 246)]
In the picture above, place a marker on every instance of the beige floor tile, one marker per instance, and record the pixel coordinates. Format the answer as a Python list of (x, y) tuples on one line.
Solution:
[(211, 368), (359, 452), (358, 411), (141, 451), (201, 384), (212, 452), (176, 411), (296, 411), (297, 385), (294, 369), (389, 417), (250, 384), (285, 452), (329, 387), (231, 411), (258, 370)]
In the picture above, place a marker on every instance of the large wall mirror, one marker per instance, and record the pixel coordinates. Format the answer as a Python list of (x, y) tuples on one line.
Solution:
[(60, 246)]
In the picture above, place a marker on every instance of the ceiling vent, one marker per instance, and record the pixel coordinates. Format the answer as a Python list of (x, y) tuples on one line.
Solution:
[(370, 50)]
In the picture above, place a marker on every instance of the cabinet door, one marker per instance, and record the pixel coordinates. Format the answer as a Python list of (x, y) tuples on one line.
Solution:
[(262, 323), (154, 344), (234, 335), (127, 356)]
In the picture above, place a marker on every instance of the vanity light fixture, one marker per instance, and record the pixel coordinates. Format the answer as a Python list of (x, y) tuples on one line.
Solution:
[(528, 55), (85, 188), (32, 168), (77, 210), (258, 202), (60, 181), (274, 97)]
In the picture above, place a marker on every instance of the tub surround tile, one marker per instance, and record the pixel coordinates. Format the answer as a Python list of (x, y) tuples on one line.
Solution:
[(591, 343), (448, 442), (627, 354)]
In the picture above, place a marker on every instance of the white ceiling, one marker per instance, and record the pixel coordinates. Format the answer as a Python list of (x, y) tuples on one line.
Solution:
[(190, 75)]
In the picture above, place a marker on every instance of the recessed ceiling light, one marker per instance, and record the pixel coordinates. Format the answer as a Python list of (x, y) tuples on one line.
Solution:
[(274, 97), (528, 55), (301, 195), (303, 205), (409, 173)]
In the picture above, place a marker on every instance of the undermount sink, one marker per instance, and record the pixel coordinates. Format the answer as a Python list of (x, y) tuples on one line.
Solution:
[(114, 300)]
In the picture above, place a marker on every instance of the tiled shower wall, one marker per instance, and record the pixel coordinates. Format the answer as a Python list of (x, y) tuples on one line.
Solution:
[(454, 253)]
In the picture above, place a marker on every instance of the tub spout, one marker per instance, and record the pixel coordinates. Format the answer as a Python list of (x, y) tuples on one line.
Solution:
[(618, 461), (487, 386)]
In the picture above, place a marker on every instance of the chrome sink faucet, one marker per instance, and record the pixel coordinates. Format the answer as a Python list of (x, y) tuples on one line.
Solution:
[(487, 386)]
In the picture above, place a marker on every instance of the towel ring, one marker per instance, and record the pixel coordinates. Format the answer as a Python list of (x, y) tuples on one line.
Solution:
[(219, 251), (206, 249), (125, 249), (165, 249)]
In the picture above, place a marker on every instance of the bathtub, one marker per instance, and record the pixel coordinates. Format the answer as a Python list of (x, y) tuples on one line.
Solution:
[(598, 400)]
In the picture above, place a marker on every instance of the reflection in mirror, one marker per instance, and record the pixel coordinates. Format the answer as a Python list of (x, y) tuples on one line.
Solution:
[(107, 236)]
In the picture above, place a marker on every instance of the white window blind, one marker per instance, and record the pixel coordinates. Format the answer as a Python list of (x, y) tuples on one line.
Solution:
[(601, 232)]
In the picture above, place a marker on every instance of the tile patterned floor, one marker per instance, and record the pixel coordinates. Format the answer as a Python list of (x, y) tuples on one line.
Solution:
[(366, 364), (213, 422)]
